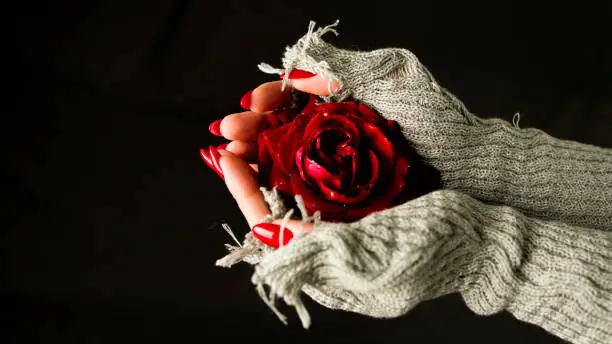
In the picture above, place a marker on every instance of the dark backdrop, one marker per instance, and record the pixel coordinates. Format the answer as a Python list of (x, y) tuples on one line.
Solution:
[(108, 214)]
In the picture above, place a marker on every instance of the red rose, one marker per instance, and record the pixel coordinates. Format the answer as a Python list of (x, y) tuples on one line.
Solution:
[(342, 158)]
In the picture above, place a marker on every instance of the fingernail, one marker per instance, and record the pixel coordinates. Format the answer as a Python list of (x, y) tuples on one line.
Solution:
[(215, 127), (298, 74), (245, 101), (215, 156), (204, 153), (269, 234), (222, 146)]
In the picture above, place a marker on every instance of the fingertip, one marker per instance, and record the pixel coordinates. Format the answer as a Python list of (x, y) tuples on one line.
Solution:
[(316, 85), (244, 150), (269, 96), (223, 160), (241, 125), (225, 153)]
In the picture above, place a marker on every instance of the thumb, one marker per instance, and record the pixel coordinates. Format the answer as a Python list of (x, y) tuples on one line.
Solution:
[(311, 83)]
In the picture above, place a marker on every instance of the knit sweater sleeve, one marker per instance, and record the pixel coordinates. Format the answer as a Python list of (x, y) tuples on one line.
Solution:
[(550, 274), (489, 159)]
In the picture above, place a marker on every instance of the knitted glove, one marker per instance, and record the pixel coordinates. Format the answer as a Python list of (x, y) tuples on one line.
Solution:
[(552, 269), (485, 158), (550, 274)]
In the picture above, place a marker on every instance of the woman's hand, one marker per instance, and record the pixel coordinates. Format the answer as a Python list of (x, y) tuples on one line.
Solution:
[(236, 161)]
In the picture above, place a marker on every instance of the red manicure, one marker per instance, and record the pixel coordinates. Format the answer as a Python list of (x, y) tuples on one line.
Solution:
[(245, 102), (269, 234), (215, 156), (222, 146), (298, 74), (215, 127), (205, 154)]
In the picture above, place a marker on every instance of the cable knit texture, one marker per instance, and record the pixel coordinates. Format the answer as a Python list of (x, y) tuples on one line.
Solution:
[(524, 222)]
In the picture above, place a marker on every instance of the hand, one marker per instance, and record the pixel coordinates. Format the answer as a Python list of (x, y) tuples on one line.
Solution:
[(236, 162)]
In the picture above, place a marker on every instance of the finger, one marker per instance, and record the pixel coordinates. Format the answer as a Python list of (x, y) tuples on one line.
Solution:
[(242, 184), (316, 85), (269, 96), (242, 126), (244, 150)]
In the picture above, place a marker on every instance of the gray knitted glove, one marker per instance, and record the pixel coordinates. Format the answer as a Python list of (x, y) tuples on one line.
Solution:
[(549, 274), (486, 158), (552, 269)]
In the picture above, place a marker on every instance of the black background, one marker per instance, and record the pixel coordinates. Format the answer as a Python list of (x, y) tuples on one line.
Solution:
[(108, 213)]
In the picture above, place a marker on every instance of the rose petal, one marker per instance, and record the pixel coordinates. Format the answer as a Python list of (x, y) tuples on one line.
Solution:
[(270, 121), (311, 200), (269, 139), (378, 141), (369, 115), (337, 196), (313, 103), (342, 108), (313, 125), (393, 126), (332, 136), (398, 182), (374, 168), (324, 121), (344, 150), (317, 173), (278, 179), (290, 142), (264, 159), (267, 142), (299, 162), (327, 155), (371, 173), (354, 166), (385, 199), (286, 116), (319, 152)]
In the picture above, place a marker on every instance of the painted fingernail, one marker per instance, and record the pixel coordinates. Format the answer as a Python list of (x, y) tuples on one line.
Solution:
[(245, 101), (269, 234), (215, 127), (205, 154), (298, 74), (215, 156), (222, 146)]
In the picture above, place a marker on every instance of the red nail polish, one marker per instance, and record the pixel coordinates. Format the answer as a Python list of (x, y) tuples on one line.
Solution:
[(215, 127), (205, 156), (222, 146), (215, 156), (245, 101), (208, 160), (269, 234), (298, 74)]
